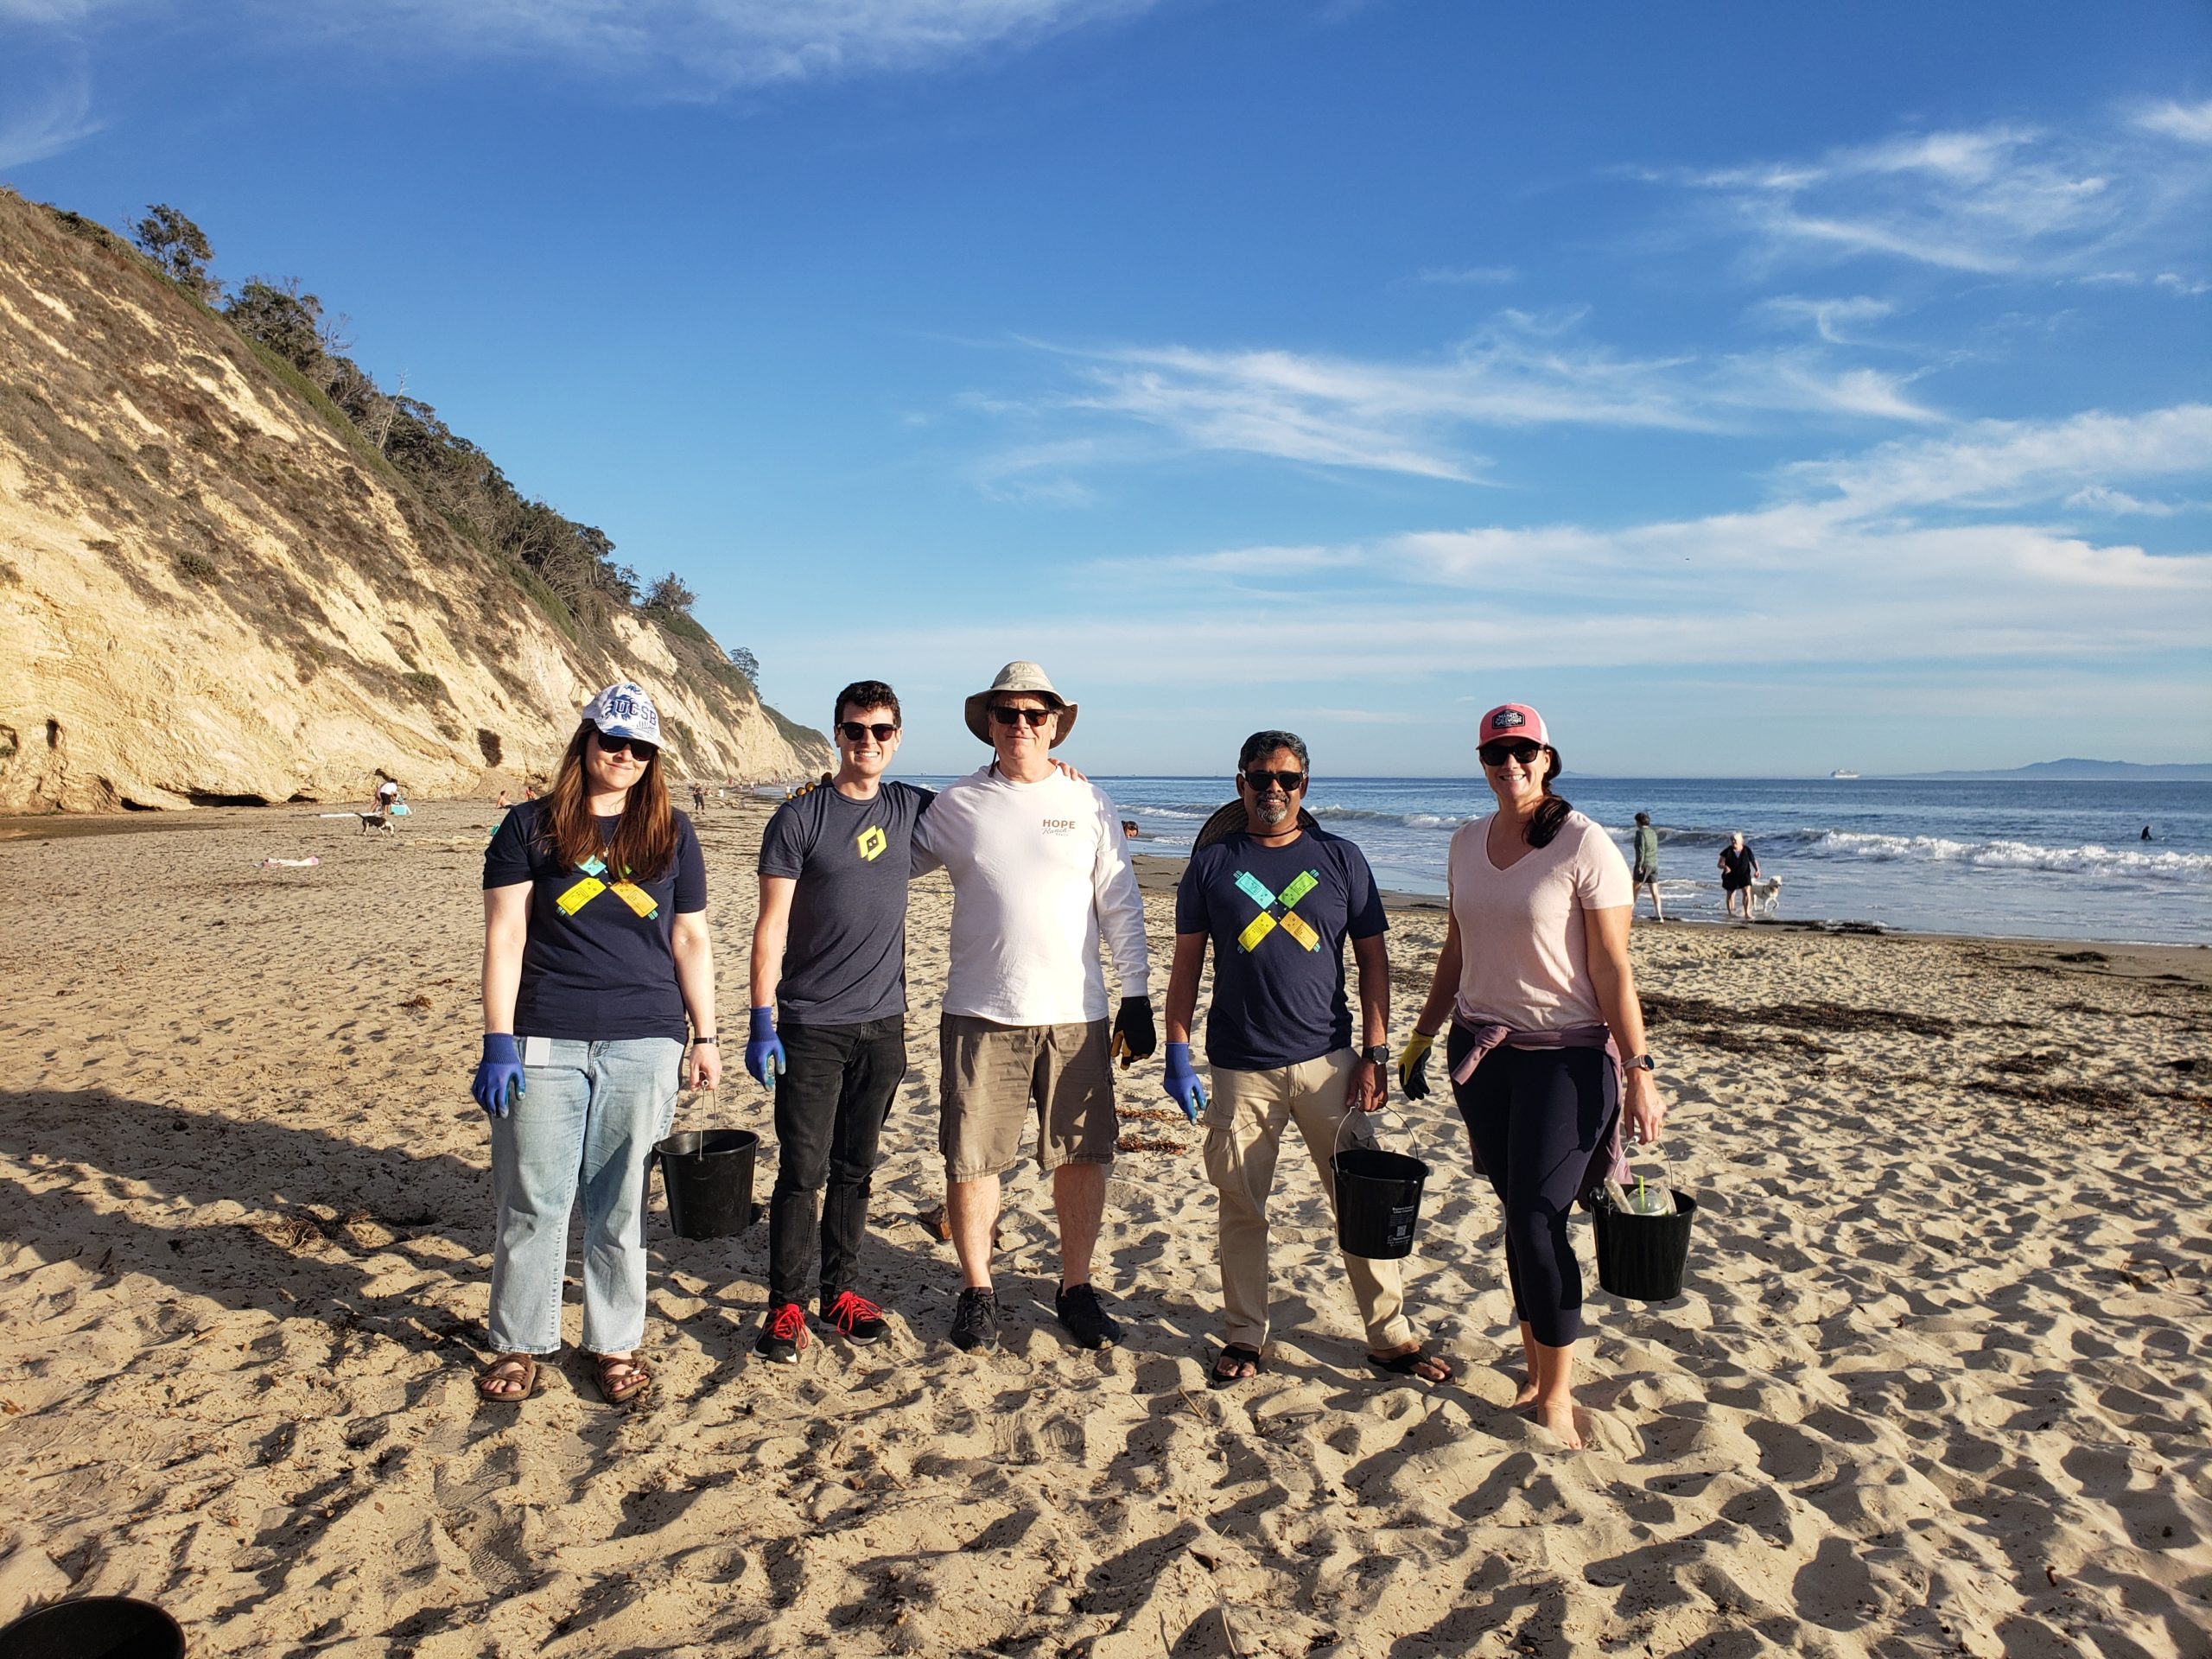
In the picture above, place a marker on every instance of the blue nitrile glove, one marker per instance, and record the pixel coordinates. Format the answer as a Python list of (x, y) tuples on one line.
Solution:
[(498, 1082), (1183, 1085), (764, 1050)]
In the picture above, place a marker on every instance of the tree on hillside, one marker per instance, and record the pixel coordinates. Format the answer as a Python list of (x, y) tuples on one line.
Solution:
[(747, 664), (179, 247), (668, 595), (282, 318)]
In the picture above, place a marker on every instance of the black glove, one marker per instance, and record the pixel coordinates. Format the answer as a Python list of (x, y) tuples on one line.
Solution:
[(1133, 1037)]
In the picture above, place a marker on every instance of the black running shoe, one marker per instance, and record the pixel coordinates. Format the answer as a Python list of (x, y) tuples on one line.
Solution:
[(976, 1320), (784, 1336), (854, 1317), (1085, 1316)]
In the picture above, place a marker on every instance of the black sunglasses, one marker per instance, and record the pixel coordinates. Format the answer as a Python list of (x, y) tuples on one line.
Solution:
[(1007, 716), (1258, 779), (1493, 754), (636, 745), (851, 731)]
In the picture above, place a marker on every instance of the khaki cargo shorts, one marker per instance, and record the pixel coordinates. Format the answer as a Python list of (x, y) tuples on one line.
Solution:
[(990, 1074)]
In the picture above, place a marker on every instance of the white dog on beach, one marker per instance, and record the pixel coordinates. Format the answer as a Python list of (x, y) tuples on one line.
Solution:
[(1766, 895)]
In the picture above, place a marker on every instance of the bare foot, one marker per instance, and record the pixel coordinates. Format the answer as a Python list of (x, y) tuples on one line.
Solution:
[(1526, 1398), (1559, 1418)]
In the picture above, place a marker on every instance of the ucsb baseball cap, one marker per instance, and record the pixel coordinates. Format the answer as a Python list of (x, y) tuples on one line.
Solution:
[(1512, 722), (625, 710)]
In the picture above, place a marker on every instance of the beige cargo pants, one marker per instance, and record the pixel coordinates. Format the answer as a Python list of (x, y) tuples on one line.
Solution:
[(1244, 1124)]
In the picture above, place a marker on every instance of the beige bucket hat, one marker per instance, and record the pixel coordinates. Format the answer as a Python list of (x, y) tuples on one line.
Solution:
[(1019, 677)]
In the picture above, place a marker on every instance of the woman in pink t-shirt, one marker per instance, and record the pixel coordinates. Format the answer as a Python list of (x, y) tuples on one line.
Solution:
[(1534, 975)]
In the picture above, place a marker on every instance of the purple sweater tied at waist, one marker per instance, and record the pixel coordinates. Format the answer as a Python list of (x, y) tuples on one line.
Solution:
[(1611, 1160)]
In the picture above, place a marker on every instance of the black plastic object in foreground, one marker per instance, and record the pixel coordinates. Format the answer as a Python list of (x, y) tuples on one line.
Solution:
[(1378, 1202), (708, 1176), (1642, 1257), (94, 1627)]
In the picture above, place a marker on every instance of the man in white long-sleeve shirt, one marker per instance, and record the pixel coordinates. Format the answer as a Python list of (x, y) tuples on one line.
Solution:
[(1040, 874)]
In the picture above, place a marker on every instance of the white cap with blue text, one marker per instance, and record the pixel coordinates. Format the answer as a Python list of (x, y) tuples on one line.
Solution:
[(625, 710)]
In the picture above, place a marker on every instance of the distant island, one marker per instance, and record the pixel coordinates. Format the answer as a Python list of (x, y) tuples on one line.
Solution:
[(2078, 771)]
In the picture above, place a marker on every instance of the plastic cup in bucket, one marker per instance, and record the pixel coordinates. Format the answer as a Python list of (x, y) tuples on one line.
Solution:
[(1378, 1200), (94, 1627), (707, 1175), (1642, 1257)]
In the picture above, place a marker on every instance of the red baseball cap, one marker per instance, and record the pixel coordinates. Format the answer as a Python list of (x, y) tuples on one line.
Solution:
[(1512, 722)]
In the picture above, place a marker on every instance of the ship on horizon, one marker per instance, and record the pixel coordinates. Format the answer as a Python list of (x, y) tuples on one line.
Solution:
[(1843, 772)]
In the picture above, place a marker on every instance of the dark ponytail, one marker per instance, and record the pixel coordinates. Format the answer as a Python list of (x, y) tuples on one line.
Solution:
[(1544, 823)]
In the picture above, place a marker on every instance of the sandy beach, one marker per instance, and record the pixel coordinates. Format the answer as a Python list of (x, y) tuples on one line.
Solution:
[(1938, 1382)]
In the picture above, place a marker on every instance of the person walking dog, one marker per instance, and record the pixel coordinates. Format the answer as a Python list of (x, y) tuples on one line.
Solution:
[(597, 967), (1278, 900), (1535, 976)]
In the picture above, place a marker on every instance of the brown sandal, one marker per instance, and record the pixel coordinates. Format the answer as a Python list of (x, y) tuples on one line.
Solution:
[(623, 1379), (508, 1368)]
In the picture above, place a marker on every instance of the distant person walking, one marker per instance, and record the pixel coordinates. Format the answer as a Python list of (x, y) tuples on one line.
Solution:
[(698, 796), (1739, 868), (1040, 872), (1646, 873), (1278, 900), (597, 966), (1534, 978)]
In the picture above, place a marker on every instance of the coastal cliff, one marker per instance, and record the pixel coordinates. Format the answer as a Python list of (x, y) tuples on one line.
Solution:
[(215, 589)]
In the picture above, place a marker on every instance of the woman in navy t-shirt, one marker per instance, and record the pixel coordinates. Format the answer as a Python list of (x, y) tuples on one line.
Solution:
[(597, 967)]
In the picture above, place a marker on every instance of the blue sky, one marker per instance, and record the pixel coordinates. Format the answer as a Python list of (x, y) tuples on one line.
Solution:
[(1756, 390)]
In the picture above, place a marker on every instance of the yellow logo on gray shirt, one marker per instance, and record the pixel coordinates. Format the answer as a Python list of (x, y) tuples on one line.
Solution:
[(870, 843)]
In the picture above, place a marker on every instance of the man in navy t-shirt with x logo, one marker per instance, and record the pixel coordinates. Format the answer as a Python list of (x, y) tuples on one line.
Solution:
[(1278, 900)]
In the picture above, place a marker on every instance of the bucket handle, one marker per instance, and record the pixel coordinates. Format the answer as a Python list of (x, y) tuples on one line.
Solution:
[(1351, 1112)]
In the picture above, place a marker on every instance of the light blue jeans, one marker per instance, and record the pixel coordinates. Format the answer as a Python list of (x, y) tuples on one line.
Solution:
[(587, 1118)]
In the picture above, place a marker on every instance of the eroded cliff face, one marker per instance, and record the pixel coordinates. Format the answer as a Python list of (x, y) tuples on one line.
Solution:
[(208, 593)]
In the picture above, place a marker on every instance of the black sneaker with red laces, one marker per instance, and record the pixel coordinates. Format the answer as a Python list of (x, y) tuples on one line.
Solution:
[(784, 1337), (854, 1317)]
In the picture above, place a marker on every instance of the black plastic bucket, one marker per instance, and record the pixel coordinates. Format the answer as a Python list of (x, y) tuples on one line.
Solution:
[(1642, 1257), (708, 1176), (1378, 1202), (94, 1627)]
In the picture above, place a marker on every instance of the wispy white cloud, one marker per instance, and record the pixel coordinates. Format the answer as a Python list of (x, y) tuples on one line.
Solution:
[(1829, 318), (673, 48), (1987, 464), (1911, 551), (1416, 418), (45, 122), (1998, 200), (2169, 118)]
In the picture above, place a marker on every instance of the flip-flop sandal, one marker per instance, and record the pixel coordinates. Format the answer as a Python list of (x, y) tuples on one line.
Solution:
[(1410, 1365), (508, 1368), (1235, 1352), (621, 1380)]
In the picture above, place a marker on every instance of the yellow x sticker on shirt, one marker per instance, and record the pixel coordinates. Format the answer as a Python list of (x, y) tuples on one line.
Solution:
[(637, 898), (580, 895), (1256, 930)]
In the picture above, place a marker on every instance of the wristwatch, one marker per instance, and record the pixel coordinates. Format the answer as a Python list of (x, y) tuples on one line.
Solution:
[(713, 1041), (1641, 1062), (1378, 1055)]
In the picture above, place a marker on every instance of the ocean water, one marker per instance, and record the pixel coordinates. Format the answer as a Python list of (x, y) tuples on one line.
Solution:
[(2042, 860)]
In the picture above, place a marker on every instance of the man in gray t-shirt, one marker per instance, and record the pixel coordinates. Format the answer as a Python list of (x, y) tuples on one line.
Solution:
[(829, 1012)]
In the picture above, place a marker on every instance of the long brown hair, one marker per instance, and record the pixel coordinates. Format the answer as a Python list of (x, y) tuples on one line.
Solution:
[(645, 837), (1551, 812)]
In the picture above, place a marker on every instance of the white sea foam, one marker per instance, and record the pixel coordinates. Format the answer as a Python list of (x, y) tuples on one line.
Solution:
[(2015, 855)]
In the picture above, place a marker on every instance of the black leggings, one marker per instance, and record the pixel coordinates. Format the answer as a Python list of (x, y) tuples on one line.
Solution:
[(1536, 1117)]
